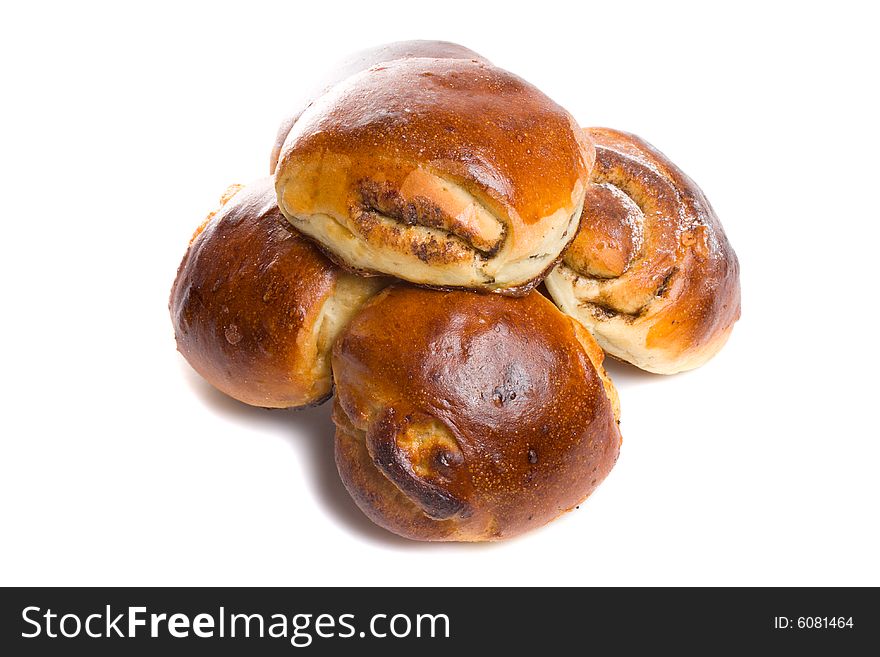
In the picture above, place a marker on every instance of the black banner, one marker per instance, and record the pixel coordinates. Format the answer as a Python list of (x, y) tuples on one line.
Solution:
[(333, 621)]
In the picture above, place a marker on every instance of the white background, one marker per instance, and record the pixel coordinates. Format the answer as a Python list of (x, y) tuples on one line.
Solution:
[(121, 127)]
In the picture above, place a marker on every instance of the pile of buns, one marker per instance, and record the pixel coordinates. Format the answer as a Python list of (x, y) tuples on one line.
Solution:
[(416, 202)]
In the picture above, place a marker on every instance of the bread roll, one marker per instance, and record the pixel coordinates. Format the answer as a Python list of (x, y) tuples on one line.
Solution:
[(256, 307), (361, 61), (443, 172), (466, 417), (651, 273)]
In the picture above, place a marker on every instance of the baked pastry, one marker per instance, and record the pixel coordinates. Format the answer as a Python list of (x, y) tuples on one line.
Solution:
[(256, 307), (361, 61), (467, 417), (443, 172), (651, 273)]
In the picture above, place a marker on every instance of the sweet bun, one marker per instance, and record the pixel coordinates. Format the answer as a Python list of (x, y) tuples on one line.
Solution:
[(651, 273), (466, 417), (256, 307), (443, 172), (361, 61)]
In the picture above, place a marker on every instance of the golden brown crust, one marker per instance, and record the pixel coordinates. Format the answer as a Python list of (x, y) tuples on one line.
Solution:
[(451, 173), (361, 61), (249, 301), (651, 273), (469, 417)]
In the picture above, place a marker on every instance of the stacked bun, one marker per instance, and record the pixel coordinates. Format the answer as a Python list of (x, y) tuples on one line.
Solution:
[(256, 307), (651, 273), (470, 417), (418, 197)]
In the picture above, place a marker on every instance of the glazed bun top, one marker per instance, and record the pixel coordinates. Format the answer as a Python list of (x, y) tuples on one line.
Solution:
[(361, 61), (474, 122)]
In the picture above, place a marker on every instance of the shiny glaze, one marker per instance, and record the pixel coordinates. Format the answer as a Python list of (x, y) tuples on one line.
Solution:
[(244, 302), (652, 254), (363, 60), (469, 417)]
